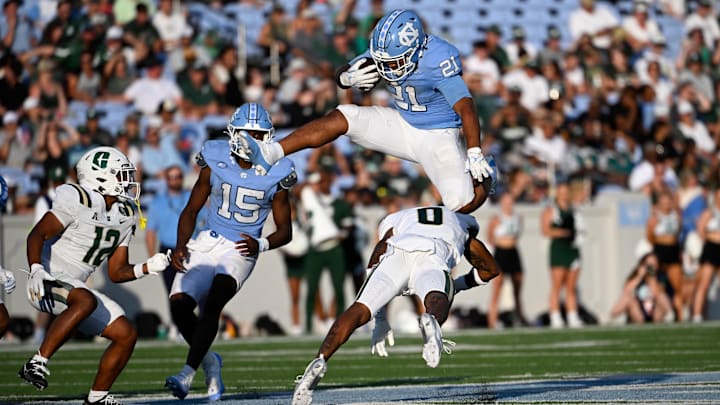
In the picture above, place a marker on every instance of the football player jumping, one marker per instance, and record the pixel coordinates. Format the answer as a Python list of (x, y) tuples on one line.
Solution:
[(219, 260), (89, 224), (418, 249), (431, 103)]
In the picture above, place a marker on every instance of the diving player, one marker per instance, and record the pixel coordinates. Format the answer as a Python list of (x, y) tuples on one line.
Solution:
[(418, 249), (431, 104), (89, 224), (219, 259)]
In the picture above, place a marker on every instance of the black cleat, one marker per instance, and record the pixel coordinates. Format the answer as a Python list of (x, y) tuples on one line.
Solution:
[(34, 373)]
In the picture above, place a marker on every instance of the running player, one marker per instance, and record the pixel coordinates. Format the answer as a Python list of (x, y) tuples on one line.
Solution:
[(219, 259), (418, 249), (88, 225)]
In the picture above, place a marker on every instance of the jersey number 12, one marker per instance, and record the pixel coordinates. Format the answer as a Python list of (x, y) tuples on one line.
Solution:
[(95, 255)]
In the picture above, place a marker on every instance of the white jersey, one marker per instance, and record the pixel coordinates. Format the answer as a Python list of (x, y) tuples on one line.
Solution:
[(667, 224), (92, 233), (509, 226), (431, 229)]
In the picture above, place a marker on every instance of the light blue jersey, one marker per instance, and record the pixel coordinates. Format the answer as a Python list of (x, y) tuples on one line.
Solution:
[(240, 200), (425, 98)]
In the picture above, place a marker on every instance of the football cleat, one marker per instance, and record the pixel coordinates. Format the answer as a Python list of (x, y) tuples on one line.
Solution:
[(106, 400), (306, 383), (179, 385), (34, 373), (212, 364), (433, 347), (255, 151)]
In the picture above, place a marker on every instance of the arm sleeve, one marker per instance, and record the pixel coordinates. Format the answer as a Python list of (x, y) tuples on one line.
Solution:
[(66, 204)]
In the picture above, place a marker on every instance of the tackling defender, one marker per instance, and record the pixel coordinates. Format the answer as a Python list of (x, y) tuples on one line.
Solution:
[(218, 263), (431, 103), (418, 249), (89, 224)]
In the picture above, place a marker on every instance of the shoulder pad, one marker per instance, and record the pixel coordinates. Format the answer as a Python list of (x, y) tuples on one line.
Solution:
[(127, 209), (289, 180), (83, 195)]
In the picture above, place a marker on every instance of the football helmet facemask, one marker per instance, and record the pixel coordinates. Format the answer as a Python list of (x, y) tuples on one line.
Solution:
[(109, 172), (396, 44), (249, 118)]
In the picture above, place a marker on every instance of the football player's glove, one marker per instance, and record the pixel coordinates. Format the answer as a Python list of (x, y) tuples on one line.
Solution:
[(36, 283), (7, 278), (381, 332), (476, 164), (362, 77), (158, 262)]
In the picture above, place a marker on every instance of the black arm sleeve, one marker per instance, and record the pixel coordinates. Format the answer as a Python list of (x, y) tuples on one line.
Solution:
[(342, 69)]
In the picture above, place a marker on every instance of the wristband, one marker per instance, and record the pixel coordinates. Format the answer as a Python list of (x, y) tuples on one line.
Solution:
[(36, 267), (263, 244), (138, 271), (477, 278)]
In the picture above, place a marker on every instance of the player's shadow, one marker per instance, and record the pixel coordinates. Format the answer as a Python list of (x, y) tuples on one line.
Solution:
[(520, 389)]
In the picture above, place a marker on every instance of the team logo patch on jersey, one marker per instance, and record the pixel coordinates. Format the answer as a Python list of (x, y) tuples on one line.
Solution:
[(222, 165), (408, 34)]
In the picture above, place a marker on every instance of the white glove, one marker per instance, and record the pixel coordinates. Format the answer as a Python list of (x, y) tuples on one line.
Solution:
[(381, 332), (158, 262), (7, 278), (477, 165), (36, 283), (363, 78)]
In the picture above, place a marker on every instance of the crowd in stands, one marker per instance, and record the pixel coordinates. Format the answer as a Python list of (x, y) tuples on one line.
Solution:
[(608, 108)]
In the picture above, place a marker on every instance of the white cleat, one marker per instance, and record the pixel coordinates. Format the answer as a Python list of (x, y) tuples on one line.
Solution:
[(433, 347), (212, 365), (306, 383)]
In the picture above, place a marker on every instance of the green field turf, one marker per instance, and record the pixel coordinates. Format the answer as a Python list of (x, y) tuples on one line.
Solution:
[(271, 364)]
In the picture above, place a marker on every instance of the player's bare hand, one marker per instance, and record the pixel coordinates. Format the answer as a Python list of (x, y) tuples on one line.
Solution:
[(180, 255), (248, 246)]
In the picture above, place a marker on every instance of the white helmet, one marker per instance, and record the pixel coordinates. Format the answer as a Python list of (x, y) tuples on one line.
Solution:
[(109, 172)]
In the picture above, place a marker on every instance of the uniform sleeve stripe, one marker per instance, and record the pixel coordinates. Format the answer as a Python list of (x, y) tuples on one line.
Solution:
[(84, 196)]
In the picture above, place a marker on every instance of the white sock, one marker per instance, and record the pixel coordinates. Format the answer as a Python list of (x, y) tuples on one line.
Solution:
[(40, 358), (573, 316), (95, 396), (275, 152)]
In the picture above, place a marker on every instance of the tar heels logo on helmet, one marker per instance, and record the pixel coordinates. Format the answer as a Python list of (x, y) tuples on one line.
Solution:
[(396, 44), (408, 34)]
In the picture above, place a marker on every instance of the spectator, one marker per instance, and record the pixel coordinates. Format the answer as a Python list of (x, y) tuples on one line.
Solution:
[(695, 75), (85, 85), (394, 182), (503, 233), (122, 143), (169, 22), (117, 78), (140, 29), (49, 92), (293, 255), (275, 32), (534, 86), (114, 47), (546, 145), (663, 232), (13, 90), (704, 19), (187, 53), (493, 37), (596, 21), (662, 87), (16, 31), (148, 92), (223, 77), (694, 129), (512, 122), (552, 51), (158, 153), (199, 99), (99, 135), (309, 40), (639, 28), (643, 298), (16, 144), (482, 77), (64, 21), (708, 228), (559, 223), (518, 50), (163, 215), (325, 249), (656, 53), (653, 172)]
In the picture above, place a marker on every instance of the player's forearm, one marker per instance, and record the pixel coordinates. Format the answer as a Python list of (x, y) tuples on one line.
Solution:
[(34, 247), (127, 272), (186, 227), (470, 123), (280, 237)]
